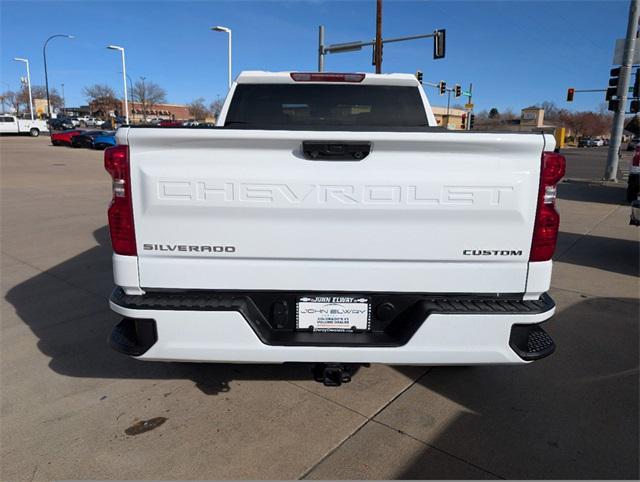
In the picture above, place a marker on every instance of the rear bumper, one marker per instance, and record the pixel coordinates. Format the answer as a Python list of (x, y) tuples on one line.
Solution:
[(233, 328)]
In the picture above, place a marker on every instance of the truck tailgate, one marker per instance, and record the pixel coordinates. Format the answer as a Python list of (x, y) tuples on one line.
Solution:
[(246, 210)]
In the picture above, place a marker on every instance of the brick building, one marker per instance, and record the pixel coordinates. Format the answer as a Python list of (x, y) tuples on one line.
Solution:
[(159, 111)]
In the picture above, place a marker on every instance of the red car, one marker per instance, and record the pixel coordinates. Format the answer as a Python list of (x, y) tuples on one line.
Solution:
[(64, 138), (171, 123)]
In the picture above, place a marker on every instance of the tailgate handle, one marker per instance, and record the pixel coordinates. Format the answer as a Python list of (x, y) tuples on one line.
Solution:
[(335, 151)]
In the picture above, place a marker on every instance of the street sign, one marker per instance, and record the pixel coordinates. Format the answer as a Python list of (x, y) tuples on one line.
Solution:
[(618, 53), (468, 106)]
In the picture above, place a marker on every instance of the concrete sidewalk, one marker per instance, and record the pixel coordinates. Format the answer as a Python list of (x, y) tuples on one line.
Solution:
[(68, 400)]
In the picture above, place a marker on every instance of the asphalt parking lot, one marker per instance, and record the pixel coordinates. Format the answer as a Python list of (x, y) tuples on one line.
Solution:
[(70, 404)]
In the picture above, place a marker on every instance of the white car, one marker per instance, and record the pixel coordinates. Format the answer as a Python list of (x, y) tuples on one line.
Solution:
[(326, 218), (88, 121), (598, 142), (10, 124)]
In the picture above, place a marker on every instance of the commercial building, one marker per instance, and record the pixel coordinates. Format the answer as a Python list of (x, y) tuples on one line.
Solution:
[(158, 111), (451, 119)]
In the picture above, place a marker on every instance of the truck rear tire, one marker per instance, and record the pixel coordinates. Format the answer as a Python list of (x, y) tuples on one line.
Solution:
[(34, 132)]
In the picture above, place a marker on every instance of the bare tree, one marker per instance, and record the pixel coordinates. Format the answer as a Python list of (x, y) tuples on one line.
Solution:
[(11, 98), (551, 110), (198, 110), (40, 92), (147, 94), (216, 107), (101, 98)]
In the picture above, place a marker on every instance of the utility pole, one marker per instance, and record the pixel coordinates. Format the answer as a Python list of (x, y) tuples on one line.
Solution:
[(611, 170), (378, 51)]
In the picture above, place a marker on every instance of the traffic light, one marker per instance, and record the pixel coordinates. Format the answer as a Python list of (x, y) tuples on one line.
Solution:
[(419, 76), (472, 120), (464, 122), (458, 90), (613, 105), (442, 86), (612, 91), (570, 94), (439, 43)]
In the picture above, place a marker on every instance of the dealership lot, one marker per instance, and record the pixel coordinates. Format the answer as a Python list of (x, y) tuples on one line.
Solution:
[(69, 403)]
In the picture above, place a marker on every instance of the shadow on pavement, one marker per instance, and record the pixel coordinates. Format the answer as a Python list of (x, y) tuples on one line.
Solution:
[(593, 191), (608, 254), (66, 308), (573, 415)]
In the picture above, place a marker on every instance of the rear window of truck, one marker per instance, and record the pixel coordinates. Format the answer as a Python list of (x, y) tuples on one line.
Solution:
[(291, 106)]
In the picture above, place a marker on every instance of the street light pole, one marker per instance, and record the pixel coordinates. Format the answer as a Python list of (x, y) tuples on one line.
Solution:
[(46, 78), (130, 92), (228, 31), (26, 61), (124, 80)]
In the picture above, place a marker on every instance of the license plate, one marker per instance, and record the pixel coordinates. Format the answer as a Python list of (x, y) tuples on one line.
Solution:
[(333, 313)]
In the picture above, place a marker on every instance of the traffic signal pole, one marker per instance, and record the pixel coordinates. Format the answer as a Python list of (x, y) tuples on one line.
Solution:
[(321, 48), (611, 170)]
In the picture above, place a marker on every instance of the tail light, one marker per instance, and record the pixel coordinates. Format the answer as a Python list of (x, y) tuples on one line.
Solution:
[(326, 77), (123, 237), (547, 222)]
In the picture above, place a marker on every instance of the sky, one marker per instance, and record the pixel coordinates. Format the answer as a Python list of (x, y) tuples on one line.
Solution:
[(516, 53)]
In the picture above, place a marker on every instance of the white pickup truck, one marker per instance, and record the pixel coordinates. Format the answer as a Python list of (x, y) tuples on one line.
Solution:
[(10, 124), (326, 218)]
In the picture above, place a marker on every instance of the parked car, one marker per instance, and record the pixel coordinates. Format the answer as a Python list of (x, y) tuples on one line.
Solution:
[(86, 139), (10, 124), (60, 124), (598, 142), (88, 121), (586, 142), (171, 123), (105, 140), (64, 138), (633, 182), (308, 229), (635, 213)]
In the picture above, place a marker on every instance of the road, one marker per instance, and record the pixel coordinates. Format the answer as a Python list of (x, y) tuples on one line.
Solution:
[(70, 406), (589, 163)]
